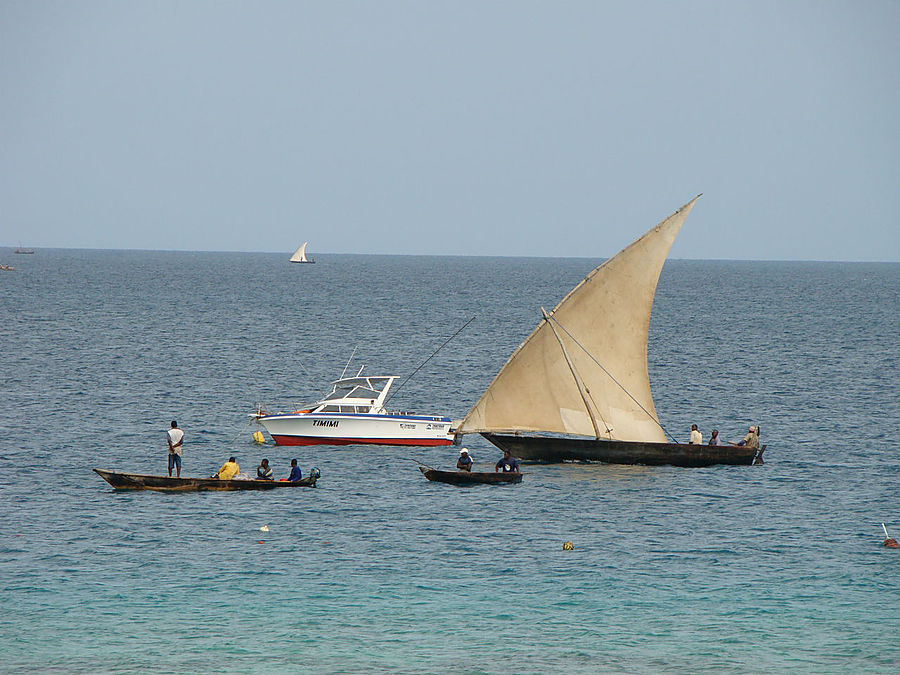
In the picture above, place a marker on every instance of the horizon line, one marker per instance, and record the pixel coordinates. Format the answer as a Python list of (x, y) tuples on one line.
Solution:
[(438, 255)]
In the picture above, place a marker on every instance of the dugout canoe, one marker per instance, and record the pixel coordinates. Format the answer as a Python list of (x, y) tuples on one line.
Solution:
[(469, 477), (136, 481)]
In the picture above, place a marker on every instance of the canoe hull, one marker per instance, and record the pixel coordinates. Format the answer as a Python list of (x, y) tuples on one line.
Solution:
[(136, 481), (551, 449), (469, 477)]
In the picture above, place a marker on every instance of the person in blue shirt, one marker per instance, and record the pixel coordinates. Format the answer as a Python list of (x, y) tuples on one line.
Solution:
[(464, 463), (296, 474), (508, 464)]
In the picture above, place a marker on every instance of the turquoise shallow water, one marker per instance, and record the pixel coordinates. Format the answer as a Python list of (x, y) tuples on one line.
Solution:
[(723, 569)]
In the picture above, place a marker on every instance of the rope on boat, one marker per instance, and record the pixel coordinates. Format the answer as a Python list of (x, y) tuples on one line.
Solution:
[(619, 384), (252, 420)]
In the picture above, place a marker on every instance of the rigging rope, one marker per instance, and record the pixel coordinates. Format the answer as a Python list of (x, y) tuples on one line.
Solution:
[(619, 384)]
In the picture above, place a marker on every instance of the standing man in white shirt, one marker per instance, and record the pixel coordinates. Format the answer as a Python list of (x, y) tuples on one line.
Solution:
[(175, 436), (696, 436)]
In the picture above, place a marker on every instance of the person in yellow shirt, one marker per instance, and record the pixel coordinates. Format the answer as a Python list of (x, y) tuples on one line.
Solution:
[(228, 471)]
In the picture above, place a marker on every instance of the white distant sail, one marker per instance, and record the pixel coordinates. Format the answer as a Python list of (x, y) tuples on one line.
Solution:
[(583, 371), (300, 254)]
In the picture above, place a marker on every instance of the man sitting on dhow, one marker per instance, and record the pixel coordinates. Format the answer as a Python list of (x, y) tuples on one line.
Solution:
[(751, 440), (228, 471), (296, 474)]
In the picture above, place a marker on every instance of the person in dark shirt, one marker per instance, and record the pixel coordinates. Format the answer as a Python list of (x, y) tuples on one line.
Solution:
[(464, 463), (714, 439), (296, 474), (508, 464), (264, 471)]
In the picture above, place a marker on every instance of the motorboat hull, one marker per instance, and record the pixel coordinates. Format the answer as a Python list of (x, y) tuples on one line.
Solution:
[(360, 429), (551, 449)]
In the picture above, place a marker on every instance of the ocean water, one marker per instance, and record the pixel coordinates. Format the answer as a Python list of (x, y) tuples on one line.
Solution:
[(723, 569)]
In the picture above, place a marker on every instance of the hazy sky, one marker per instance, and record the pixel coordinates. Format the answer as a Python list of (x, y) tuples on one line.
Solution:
[(472, 128)]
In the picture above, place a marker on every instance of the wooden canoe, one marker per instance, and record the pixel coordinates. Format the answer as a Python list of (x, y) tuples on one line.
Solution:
[(136, 481), (469, 477)]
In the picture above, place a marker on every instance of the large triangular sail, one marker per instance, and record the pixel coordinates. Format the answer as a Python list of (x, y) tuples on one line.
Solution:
[(589, 377), (300, 254)]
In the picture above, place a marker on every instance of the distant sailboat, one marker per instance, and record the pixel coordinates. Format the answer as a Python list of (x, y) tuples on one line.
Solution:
[(578, 387), (300, 255)]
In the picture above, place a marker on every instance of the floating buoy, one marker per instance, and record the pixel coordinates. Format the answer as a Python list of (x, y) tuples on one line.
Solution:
[(258, 437), (260, 541), (568, 546), (889, 541), (264, 528)]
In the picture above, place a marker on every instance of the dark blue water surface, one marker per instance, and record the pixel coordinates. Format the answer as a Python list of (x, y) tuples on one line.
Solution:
[(724, 569)]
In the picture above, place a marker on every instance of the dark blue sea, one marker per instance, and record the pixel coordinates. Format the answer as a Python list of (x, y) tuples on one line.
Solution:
[(765, 569)]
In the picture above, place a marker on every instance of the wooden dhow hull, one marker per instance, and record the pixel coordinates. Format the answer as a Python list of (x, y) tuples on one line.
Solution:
[(136, 481), (469, 477), (558, 449)]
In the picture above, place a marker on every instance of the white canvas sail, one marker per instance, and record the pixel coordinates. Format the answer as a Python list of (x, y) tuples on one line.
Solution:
[(300, 254), (583, 370)]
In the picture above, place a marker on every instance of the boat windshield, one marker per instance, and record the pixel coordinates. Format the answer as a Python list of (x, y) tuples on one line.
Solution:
[(359, 387), (353, 392)]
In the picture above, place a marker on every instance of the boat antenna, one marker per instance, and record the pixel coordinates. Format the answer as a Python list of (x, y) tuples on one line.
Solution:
[(427, 360), (348, 362), (548, 317)]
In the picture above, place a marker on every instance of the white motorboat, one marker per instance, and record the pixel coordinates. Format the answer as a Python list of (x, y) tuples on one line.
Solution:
[(354, 413)]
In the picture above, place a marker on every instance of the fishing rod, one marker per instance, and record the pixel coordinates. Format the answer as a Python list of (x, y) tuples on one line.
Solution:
[(427, 360), (348, 362)]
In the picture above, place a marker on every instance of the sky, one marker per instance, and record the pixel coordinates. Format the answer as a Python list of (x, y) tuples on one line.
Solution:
[(452, 128)]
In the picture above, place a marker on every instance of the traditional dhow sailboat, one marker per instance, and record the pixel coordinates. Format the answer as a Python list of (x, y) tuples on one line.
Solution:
[(578, 387), (300, 255)]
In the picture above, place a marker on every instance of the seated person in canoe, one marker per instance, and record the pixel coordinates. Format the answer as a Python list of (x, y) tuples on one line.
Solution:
[(508, 464), (464, 463), (264, 471), (296, 474), (228, 471)]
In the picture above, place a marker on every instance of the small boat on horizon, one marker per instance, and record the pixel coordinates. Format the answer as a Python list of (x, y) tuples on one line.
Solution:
[(136, 481), (354, 414), (300, 255), (578, 387), (469, 477), (23, 251)]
